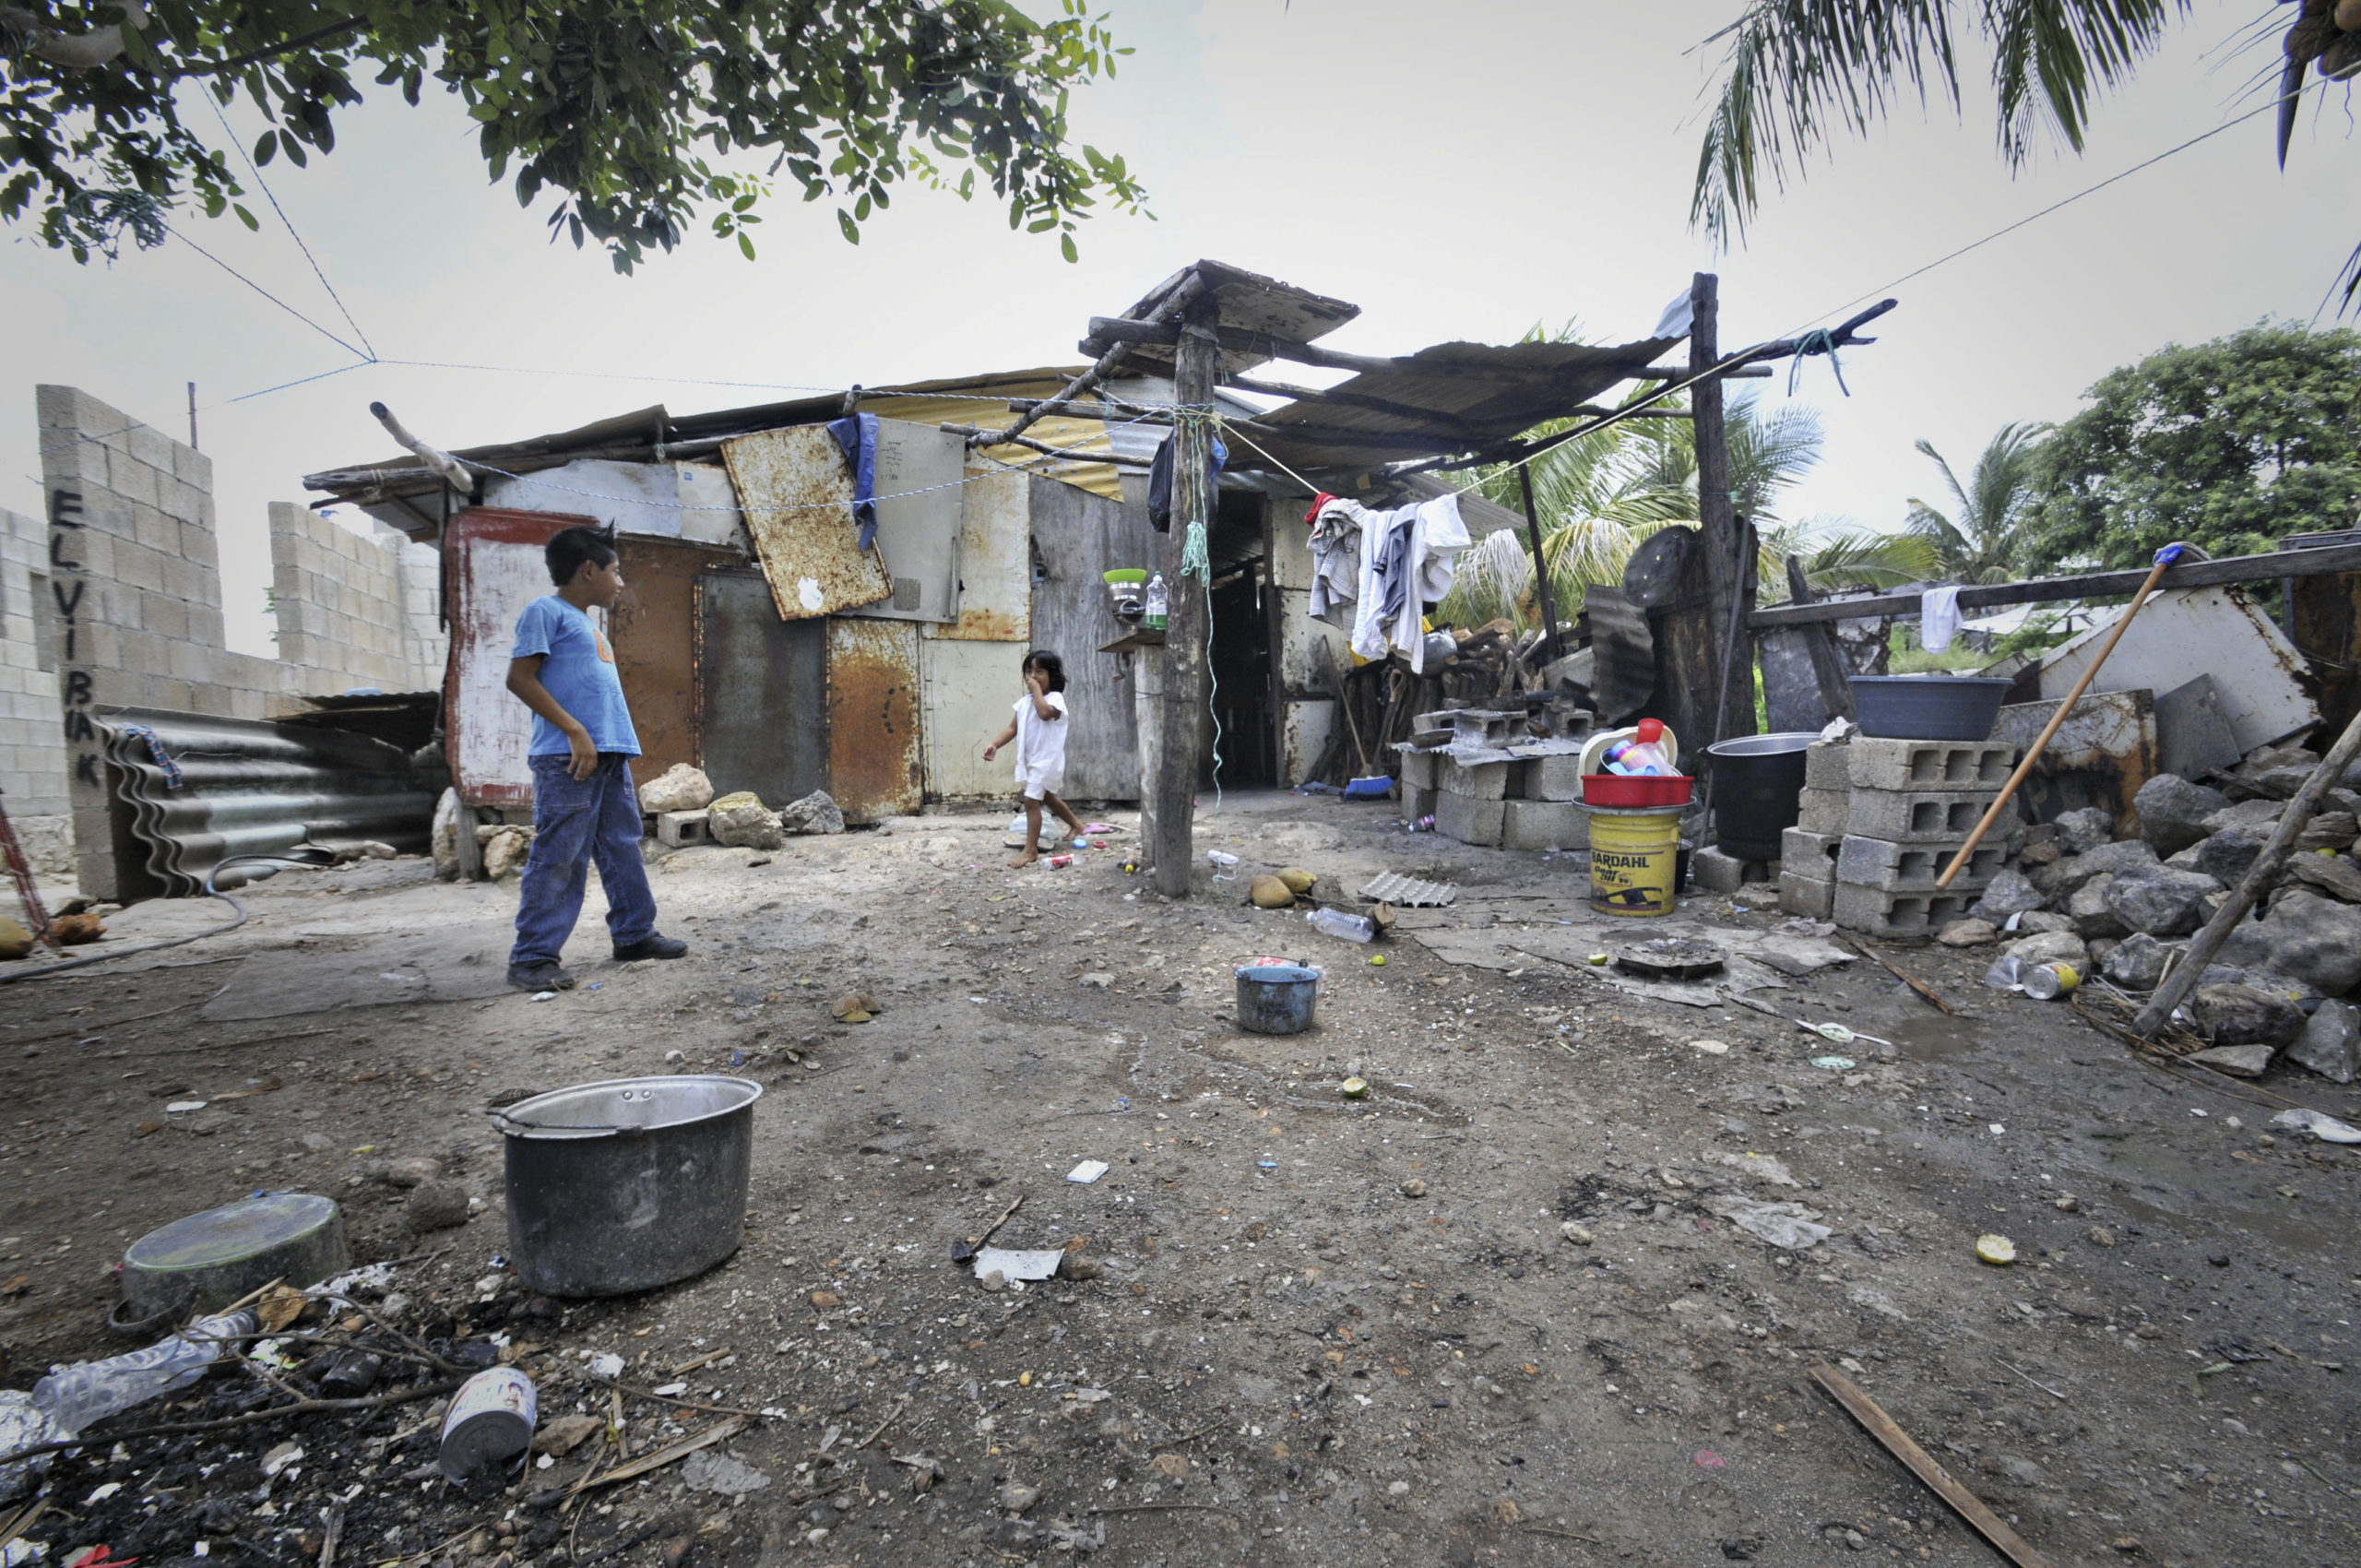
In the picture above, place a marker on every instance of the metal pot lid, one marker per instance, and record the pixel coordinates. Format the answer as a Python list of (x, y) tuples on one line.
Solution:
[(235, 1233), (627, 1105)]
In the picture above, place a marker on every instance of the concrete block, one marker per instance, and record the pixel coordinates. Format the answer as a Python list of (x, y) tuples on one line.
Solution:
[(681, 829), (1916, 816), (1826, 811), (152, 446), (1882, 763), (1418, 804), (1467, 819), (131, 479), (1417, 769), (1825, 767), (1897, 914), (1544, 824), (1484, 781), (1812, 854), (1718, 872), (1806, 895), (1553, 778), (1913, 868)]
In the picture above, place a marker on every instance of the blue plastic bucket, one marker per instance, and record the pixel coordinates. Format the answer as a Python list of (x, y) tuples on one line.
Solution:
[(1276, 998)]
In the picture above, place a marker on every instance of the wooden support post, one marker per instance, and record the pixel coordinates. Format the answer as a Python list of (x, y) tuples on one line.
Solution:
[(1540, 567), (1198, 367)]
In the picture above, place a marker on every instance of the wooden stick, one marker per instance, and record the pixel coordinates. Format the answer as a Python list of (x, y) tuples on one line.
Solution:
[(331, 1526), (302, 1407), (2164, 558), (2267, 866), (879, 1429), (705, 1361), (1879, 1425), (1912, 981), (1168, 309), (664, 1456)]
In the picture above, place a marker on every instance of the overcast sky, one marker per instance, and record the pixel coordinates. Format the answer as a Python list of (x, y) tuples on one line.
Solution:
[(1457, 177)]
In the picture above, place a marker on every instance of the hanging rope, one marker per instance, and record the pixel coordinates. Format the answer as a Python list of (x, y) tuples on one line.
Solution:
[(1193, 436), (1819, 340)]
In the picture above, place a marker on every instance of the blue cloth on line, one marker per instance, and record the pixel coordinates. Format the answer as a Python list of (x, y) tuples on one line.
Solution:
[(857, 433)]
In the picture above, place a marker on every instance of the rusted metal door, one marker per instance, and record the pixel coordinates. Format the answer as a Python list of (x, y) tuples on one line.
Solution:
[(655, 640), (493, 566), (762, 690), (797, 491), (875, 766)]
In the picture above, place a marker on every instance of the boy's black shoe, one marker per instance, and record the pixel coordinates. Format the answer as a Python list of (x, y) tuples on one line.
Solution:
[(653, 946), (539, 977)]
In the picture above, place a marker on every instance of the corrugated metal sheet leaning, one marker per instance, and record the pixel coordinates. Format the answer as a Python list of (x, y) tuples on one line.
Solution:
[(252, 787)]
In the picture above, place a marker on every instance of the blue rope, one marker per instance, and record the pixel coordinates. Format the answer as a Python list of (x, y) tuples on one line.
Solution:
[(1817, 341)]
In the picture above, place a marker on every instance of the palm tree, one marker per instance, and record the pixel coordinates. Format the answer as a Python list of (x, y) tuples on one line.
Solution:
[(1837, 553), (1799, 72), (1981, 539)]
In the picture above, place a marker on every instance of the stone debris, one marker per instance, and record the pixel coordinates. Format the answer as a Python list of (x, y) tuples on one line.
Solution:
[(741, 821), (680, 787)]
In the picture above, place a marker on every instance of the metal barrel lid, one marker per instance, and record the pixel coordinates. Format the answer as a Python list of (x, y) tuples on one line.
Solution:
[(232, 1234), (627, 1105)]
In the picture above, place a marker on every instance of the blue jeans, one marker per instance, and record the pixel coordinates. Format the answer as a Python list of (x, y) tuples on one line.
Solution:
[(576, 821)]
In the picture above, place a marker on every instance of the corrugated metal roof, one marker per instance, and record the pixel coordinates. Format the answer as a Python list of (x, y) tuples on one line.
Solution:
[(224, 787)]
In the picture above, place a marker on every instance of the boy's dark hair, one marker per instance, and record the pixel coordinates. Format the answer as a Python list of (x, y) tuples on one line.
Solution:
[(1050, 664), (571, 547)]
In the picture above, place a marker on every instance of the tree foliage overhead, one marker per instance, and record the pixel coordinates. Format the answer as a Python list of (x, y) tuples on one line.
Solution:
[(2232, 445), (639, 115)]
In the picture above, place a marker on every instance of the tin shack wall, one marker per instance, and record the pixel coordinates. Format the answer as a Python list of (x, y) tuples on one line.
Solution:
[(1076, 537)]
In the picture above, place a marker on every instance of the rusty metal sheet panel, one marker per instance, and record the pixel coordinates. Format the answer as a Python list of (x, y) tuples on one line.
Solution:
[(655, 640), (493, 568), (2100, 757), (875, 766), (995, 559), (762, 690), (918, 468), (2258, 675), (797, 490)]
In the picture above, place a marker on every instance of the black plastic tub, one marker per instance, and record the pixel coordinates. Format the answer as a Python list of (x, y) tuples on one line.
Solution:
[(1758, 791), (1929, 708), (628, 1185)]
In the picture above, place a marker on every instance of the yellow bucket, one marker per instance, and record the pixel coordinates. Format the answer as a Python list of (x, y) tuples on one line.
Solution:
[(1633, 853)]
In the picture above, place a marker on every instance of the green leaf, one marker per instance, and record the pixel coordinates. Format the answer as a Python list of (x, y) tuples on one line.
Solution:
[(850, 229), (746, 244), (1065, 243), (265, 148), (294, 150), (243, 215)]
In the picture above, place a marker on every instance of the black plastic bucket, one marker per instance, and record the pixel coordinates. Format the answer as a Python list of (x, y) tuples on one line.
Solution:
[(1929, 708), (1758, 791), (628, 1185)]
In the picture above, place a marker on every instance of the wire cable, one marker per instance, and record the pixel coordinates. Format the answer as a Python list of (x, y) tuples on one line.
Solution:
[(266, 294), (45, 971), (267, 194)]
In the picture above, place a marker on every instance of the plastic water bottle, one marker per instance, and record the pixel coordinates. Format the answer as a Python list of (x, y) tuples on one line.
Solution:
[(1335, 922), (73, 1397), (1159, 604), (1643, 754)]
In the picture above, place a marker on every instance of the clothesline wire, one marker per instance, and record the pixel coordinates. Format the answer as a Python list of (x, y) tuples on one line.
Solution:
[(264, 186), (265, 293)]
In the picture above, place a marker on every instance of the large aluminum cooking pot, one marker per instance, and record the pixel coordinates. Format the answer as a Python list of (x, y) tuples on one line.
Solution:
[(627, 1185)]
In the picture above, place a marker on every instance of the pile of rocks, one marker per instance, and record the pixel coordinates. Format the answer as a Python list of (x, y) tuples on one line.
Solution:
[(2073, 892), (1881, 818)]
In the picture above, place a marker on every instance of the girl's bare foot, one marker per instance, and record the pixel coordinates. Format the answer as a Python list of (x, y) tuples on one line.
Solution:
[(1027, 859)]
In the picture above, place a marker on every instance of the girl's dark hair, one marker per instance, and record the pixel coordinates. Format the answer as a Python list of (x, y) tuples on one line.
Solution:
[(1050, 664), (569, 548)]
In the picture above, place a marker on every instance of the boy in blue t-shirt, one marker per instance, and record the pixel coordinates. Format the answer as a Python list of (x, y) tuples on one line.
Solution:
[(585, 806)]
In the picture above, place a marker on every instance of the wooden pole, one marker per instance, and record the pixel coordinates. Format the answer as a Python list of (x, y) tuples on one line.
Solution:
[(2267, 865), (2164, 558), (1182, 296), (1899, 1443), (191, 416), (1188, 618), (1541, 567)]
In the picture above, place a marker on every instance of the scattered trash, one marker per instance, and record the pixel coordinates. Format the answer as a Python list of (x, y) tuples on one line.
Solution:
[(1408, 892), (1669, 957), (543, 996), (606, 1365), (1996, 1250), (1276, 998), (1060, 861), (1378, 788), (491, 1420), (1837, 1034), (1089, 1170), (1266, 1164), (1706, 1459), (1898, 1443), (2328, 1129), (1337, 923), (718, 1473), (1712, 1047), (72, 1397), (1788, 1225), (1225, 864), (1597, 961), (1834, 1064), (22, 1424), (1011, 1265), (855, 1009), (1097, 828), (2045, 982), (1354, 1088)]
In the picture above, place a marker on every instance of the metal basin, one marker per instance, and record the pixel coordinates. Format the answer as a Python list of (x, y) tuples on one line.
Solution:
[(1276, 998), (1929, 708), (627, 1185)]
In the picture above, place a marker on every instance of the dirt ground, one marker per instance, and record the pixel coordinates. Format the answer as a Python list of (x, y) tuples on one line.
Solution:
[(1320, 1330)]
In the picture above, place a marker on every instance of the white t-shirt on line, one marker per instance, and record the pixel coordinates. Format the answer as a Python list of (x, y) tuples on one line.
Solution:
[(1041, 747)]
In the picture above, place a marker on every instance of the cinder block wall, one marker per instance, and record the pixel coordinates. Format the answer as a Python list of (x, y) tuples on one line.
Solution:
[(33, 747), (346, 616), (136, 586)]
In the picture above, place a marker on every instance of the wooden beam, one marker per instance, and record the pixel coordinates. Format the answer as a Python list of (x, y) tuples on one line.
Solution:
[(1188, 622), (1174, 302), (1899, 1443), (1674, 372), (2276, 565), (981, 438)]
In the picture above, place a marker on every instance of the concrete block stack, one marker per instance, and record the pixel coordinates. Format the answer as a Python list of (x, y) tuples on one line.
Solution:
[(1490, 784), (1881, 818), (1543, 810)]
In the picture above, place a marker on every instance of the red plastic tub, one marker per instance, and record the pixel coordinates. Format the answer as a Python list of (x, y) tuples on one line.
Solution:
[(1612, 790)]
